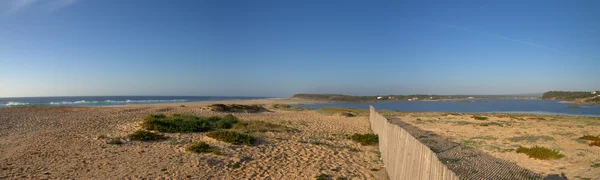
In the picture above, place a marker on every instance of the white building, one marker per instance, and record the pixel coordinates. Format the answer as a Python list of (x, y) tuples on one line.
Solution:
[(593, 92), (379, 97)]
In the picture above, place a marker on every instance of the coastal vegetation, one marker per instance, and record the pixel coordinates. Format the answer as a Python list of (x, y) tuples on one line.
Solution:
[(142, 135), (365, 139), (233, 137), (567, 95), (237, 108), (531, 138), (540, 153), (261, 126), (595, 140), (202, 147), (187, 123), (287, 107), (481, 118)]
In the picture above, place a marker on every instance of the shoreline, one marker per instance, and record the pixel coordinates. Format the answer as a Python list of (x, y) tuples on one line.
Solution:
[(299, 101)]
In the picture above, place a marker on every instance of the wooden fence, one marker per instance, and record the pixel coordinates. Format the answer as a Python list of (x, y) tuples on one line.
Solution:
[(404, 156)]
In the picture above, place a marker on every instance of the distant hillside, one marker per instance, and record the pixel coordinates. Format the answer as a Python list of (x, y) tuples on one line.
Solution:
[(567, 95), (578, 96)]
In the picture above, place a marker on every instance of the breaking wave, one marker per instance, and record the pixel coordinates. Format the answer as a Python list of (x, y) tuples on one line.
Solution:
[(11, 103), (82, 102)]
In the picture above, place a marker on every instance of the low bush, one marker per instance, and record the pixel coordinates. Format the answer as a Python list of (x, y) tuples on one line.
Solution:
[(322, 177), (287, 107), (261, 126), (202, 147), (347, 114), (142, 135), (232, 137), (540, 153), (237, 108), (187, 123), (591, 138), (481, 118), (365, 139), (531, 138), (115, 141)]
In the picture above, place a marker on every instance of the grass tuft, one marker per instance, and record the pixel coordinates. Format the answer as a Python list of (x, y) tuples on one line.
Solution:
[(115, 141), (232, 137), (365, 139), (322, 177), (187, 123), (591, 138), (202, 147), (142, 135), (481, 118), (531, 138), (261, 126), (287, 107), (540, 153), (237, 108)]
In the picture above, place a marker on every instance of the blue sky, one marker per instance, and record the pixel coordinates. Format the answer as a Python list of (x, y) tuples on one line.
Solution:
[(278, 48)]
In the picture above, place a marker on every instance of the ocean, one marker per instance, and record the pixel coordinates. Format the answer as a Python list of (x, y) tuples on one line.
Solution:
[(109, 100)]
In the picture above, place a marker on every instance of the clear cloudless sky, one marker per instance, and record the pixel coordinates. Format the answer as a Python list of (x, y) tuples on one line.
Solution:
[(278, 48)]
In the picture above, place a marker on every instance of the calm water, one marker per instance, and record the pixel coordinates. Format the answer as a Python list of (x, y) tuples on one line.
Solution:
[(498, 106), (107, 100)]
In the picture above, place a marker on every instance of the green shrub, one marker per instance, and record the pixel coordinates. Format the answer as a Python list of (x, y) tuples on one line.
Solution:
[(232, 137), (322, 177), (142, 135), (540, 153), (365, 139), (481, 118), (187, 123), (233, 165), (591, 138), (237, 108), (491, 124), (531, 138), (347, 114), (287, 107), (596, 165), (261, 126), (115, 141), (202, 147)]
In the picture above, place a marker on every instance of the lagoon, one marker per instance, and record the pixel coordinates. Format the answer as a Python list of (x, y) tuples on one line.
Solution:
[(478, 106)]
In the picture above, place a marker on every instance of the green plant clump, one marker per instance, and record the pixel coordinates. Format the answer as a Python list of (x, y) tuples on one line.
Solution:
[(202, 147), (540, 153), (481, 118), (531, 138), (365, 139), (187, 123), (142, 135), (115, 141), (591, 138), (322, 177), (232, 137), (261, 126)]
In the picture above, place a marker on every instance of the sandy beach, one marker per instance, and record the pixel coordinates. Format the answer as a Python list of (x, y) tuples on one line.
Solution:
[(71, 142)]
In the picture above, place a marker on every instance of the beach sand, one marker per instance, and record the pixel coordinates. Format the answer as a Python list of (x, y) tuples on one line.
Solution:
[(71, 142), (501, 134)]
